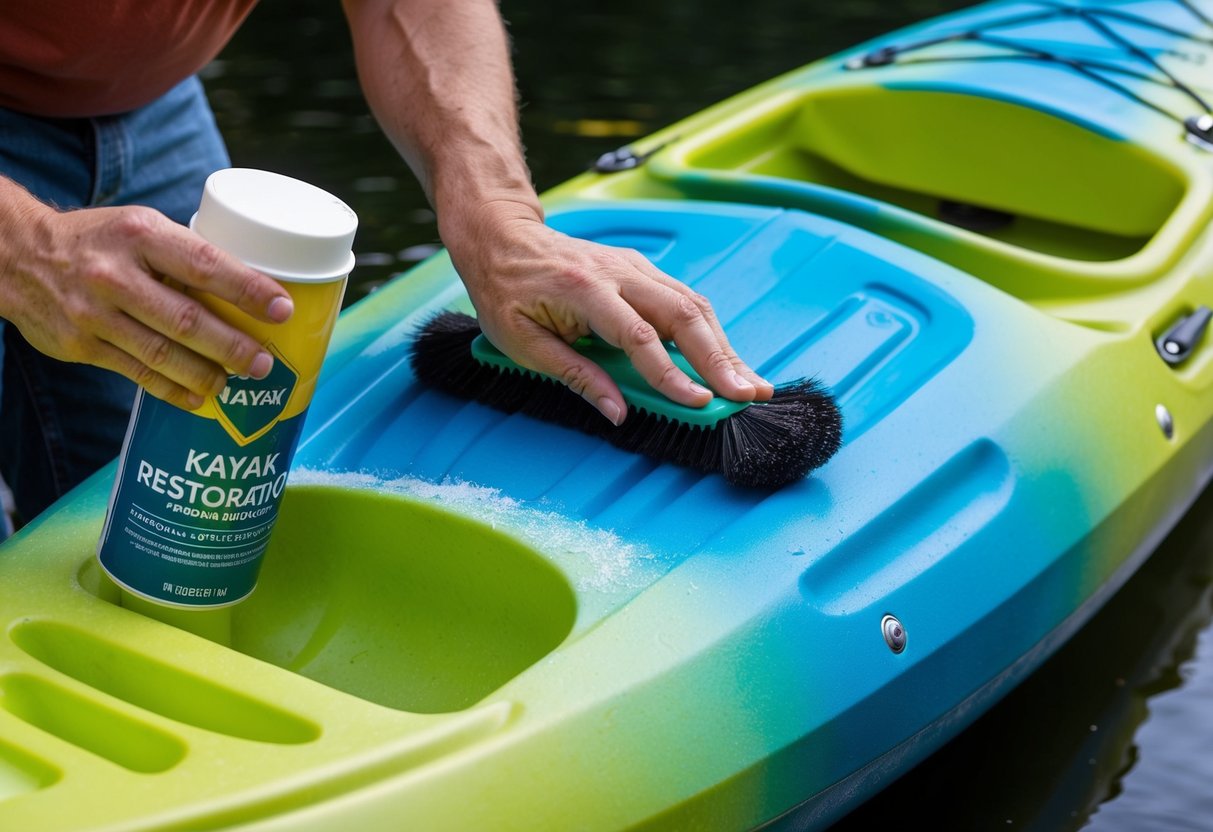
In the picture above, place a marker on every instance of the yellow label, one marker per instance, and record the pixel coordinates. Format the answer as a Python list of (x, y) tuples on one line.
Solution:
[(298, 347)]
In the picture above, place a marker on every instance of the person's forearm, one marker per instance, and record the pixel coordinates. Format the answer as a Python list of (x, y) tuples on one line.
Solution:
[(437, 75), (21, 217)]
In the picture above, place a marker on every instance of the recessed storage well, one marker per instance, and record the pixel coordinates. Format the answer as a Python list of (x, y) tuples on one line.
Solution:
[(400, 602), (1004, 170)]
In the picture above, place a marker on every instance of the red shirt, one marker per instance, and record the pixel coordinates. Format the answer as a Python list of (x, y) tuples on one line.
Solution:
[(96, 57)]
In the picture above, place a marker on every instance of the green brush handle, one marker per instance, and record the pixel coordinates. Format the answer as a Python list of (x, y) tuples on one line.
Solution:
[(636, 391)]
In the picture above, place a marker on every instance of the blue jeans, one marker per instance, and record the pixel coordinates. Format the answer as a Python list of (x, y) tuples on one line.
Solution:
[(60, 422)]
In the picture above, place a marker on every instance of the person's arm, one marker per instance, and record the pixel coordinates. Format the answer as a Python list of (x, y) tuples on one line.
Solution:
[(438, 77), (86, 286)]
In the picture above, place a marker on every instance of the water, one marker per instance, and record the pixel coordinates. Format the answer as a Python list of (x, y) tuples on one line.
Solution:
[(287, 97), (1111, 734)]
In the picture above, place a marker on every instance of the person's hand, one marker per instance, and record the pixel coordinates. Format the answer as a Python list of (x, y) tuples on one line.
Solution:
[(87, 286), (536, 291)]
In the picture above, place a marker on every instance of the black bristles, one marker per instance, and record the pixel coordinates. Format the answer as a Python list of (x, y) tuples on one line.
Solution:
[(765, 445)]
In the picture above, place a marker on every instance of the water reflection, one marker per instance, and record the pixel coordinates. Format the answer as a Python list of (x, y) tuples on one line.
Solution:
[(1112, 731)]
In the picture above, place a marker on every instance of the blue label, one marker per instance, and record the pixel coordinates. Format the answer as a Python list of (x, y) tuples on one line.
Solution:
[(192, 508)]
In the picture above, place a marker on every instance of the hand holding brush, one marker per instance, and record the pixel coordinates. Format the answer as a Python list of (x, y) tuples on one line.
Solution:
[(758, 444), (537, 291)]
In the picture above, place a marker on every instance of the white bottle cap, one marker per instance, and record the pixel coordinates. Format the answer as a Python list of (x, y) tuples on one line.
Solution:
[(285, 228)]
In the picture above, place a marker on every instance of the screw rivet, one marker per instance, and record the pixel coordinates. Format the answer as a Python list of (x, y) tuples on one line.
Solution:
[(894, 634), (1164, 420)]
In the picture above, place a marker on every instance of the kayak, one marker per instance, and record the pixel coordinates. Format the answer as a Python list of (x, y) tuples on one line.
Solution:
[(988, 235)]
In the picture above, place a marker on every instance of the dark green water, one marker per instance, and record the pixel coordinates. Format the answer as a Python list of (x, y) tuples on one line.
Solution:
[(1113, 734), (591, 77)]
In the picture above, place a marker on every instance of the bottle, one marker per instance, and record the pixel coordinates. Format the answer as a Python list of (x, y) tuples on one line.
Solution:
[(197, 492)]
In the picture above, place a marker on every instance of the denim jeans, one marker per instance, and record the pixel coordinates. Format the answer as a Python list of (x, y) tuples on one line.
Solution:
[(60, 422)]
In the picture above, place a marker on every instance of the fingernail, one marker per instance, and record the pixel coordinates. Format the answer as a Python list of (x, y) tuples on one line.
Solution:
[(261, 366), (280, 308), (743, 382), (699, 389), (193, 401), (611, 410)]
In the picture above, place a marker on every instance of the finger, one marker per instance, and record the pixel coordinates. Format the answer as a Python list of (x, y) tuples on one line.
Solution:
[(678, 318), (109, 357), (703, 354), (164, 356), (763, 389), (618, 323), (544, 352), (177, 252), (182, 319)]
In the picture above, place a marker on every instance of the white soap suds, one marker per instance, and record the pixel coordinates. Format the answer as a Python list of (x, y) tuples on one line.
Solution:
[(595, 559)]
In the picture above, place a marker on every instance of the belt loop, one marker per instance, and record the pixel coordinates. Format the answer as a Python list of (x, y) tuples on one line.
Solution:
[(110, 152)]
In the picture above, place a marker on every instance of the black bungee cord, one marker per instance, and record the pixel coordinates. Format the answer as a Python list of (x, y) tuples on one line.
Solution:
[(1199, 127)]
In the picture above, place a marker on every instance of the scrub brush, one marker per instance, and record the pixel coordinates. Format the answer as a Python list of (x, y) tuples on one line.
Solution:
[(757, 444)]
